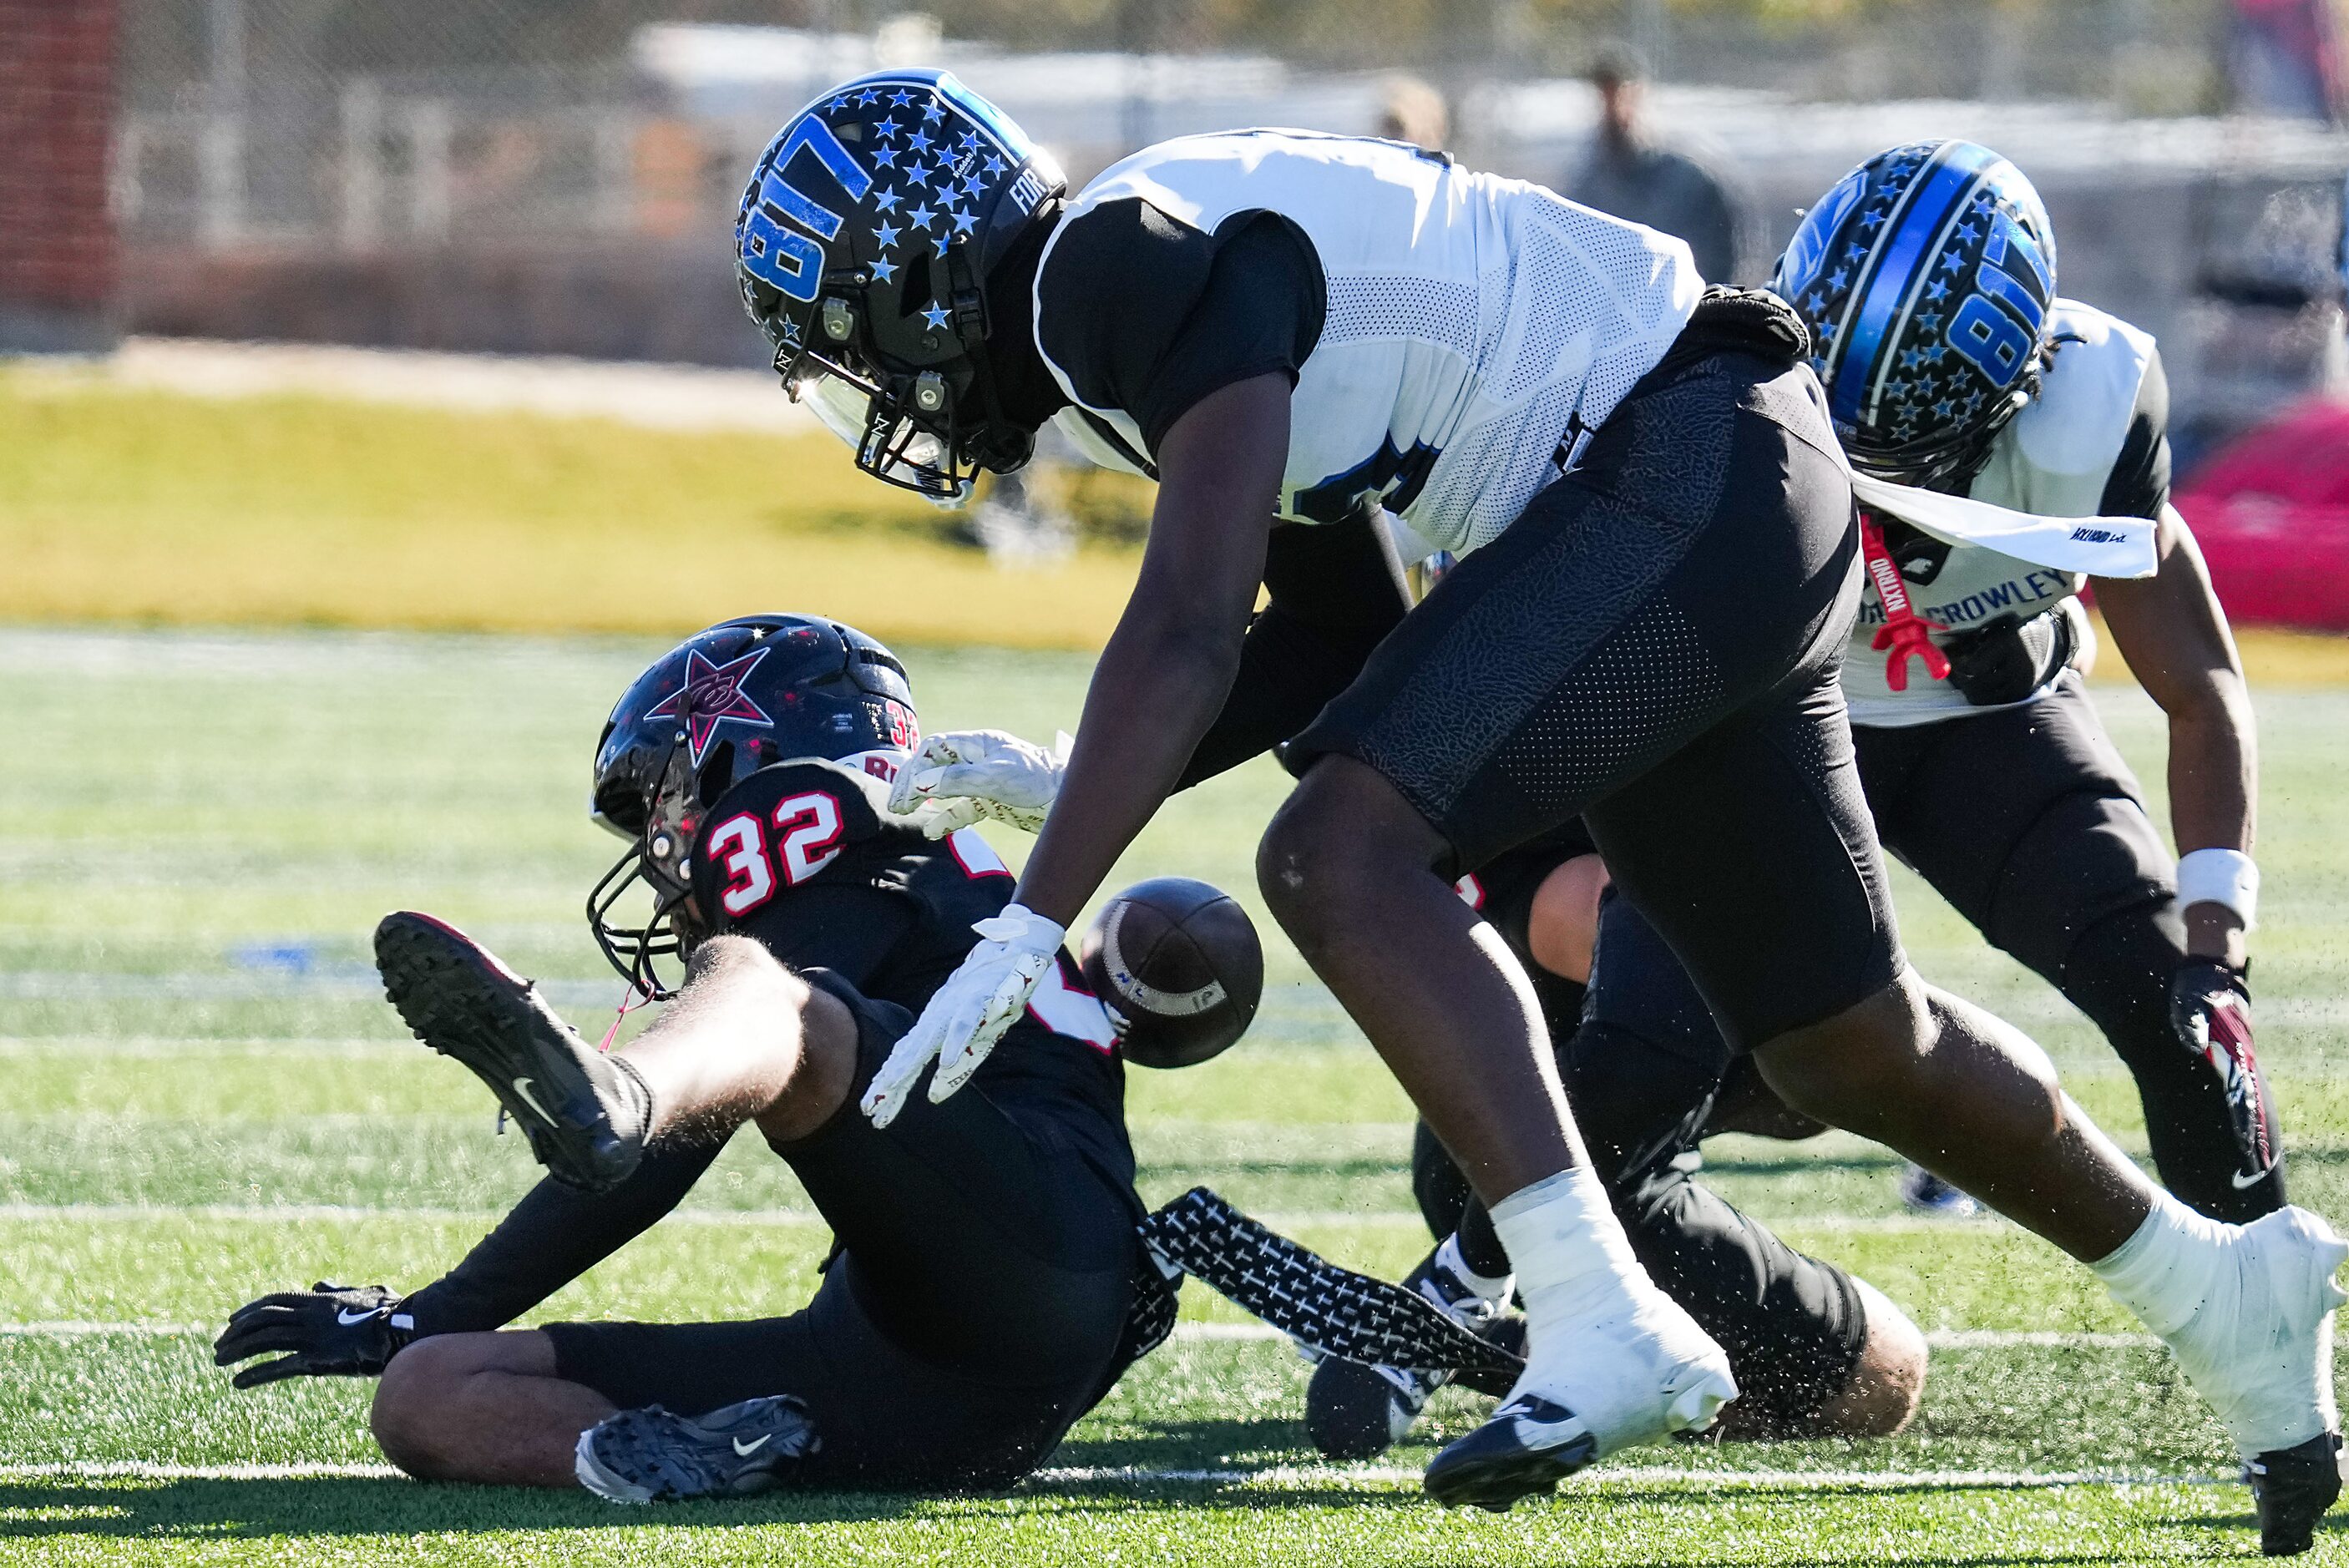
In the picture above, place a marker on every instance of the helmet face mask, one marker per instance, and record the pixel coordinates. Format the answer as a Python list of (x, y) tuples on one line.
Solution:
[(740, 696), (913, 441), (1926, 277), (863, 245)]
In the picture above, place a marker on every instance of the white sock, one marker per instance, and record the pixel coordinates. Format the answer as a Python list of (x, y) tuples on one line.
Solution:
[(1448, 1258), (2163, 1271), (1568, 1249)]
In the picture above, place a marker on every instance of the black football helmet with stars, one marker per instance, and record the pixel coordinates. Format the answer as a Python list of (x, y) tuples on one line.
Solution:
[(725, 703), (862, 247), (1927, 277)]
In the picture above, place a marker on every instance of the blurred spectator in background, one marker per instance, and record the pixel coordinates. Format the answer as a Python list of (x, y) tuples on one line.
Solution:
[(2283, 57), (1632, 174), (1412, 110)]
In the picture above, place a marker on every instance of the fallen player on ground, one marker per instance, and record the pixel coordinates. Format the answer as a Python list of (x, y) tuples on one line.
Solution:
[(1660, 566), (987, 1286)]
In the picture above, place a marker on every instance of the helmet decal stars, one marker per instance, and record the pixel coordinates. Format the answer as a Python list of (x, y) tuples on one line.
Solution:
[(893, 195), (1926, 276), (712, 696)]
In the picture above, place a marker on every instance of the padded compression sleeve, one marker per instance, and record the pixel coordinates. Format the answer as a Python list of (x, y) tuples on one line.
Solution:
[(1145, 312), (2138, 485), (1334, 593)]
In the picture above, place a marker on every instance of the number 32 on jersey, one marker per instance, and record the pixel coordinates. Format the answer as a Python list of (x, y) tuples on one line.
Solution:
[(806, 829)]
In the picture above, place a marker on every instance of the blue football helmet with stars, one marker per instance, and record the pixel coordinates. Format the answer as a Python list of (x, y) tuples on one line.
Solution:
[(864, 246), (1926, 277)]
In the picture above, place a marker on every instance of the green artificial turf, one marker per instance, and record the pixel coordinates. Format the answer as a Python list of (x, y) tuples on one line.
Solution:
[(205, 1098)]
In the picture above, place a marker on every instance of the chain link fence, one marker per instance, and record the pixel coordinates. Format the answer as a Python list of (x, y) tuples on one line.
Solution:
[(560, 175), (308, 122)]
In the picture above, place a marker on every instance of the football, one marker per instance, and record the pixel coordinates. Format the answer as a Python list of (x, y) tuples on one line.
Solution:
[(1177, 960)]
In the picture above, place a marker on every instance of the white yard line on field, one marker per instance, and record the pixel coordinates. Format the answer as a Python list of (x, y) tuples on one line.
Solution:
[(186, 1047), (76, 1328), (1940, 1339), (1651, 1475), (148, 1469), (296, 1213), (1270, 1475), (1282, 1220)]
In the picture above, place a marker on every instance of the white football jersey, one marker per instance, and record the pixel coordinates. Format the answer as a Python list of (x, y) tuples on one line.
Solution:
[(2052, 459), (1475, 325)]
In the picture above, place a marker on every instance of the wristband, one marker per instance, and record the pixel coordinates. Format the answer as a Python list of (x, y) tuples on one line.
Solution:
[(2222, 877), (1022, 930)]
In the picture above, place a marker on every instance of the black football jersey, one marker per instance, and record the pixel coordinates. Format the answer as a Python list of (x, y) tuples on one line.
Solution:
[(799, 858)]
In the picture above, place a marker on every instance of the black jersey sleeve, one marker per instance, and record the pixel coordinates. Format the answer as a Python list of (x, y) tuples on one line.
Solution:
[(556, 1233), (1332, 591), (1145, 314), (2139, 484)]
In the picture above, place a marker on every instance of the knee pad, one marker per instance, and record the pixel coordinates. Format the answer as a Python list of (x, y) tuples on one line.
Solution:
[(2087, 858), (2117, 973)]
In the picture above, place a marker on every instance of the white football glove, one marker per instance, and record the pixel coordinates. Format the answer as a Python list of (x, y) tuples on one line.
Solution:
[(960, 777), (970, 1013)]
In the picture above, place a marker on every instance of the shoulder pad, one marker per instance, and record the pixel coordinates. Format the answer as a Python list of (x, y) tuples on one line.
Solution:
[(778, 828), (2081, 417)]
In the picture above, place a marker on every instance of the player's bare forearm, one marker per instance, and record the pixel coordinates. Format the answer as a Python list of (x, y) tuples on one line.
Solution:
[(2170, 628), (1157, 688), (1169, 665)]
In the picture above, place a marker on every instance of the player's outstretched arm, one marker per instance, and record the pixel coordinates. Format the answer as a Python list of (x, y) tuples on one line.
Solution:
[(1164, 674), (1159, 685), (327, 1331), (2174, 634)]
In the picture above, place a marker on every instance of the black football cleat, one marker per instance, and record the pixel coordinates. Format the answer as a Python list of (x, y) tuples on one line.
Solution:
[(652, 1456), (584, 1112), (2293, 1487), (1526, 1449)]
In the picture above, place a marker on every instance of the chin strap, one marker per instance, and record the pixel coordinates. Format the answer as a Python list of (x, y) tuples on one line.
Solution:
[(1904, 632)]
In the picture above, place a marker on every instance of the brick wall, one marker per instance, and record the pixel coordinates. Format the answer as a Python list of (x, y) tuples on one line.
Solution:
[(58, 258)]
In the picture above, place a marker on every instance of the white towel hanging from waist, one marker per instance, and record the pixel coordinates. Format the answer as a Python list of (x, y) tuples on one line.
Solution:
[(2099, 546)]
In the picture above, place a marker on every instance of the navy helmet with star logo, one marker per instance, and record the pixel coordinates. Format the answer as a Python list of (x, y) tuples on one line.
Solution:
[(742, 696), (1926, 276), (863, 245)]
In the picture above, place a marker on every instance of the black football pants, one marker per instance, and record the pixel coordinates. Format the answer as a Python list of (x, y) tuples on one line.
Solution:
[(2029, 822)]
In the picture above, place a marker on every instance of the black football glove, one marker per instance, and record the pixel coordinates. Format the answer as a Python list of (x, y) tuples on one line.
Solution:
[(331, 1330), (2210, 1013), (2010, 658)]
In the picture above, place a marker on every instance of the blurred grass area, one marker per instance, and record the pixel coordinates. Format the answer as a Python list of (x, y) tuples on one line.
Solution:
[(125, 505), (2272, 656), (129, 505)]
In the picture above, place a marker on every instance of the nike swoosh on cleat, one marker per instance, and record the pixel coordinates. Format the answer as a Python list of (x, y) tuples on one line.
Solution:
[(346, 1317), (2241, 1180), (522, 1086), (745, 1450)]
